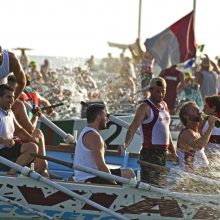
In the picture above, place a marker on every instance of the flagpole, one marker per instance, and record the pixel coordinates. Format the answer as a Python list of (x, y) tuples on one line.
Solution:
[(139, 19), (194, 22)]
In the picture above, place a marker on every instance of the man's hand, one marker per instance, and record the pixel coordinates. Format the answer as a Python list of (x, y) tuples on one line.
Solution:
[(36, 111), (175, 157), (122, 149)]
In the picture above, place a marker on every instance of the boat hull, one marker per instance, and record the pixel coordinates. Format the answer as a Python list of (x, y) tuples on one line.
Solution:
[(130, 202)]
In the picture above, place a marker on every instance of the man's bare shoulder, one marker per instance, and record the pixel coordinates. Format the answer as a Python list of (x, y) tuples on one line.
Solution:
[(17, 104), (143, 108), (186, 135), (12, 56), (92, 139)]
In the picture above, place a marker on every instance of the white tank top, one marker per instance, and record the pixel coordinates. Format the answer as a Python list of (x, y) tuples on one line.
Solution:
[(7, 128), (4, 67), (83, 156), (155, 130)]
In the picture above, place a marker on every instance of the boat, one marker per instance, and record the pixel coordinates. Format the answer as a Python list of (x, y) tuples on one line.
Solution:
[(69, 200)]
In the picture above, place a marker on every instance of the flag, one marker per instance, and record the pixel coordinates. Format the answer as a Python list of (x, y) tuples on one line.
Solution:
[(189, 64), (175, 44), (201, 47)]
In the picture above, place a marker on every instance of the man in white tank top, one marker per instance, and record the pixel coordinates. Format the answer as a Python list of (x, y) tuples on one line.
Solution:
[(90, 148), (9, 148), (9, 63), (190, 143), (153, 118)]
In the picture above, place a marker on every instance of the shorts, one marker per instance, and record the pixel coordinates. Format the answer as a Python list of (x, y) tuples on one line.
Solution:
[(10, 153), (101, 180), (150, 174)]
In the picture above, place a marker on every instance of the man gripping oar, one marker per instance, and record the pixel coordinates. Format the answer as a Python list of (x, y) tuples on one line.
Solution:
[(91, 146)]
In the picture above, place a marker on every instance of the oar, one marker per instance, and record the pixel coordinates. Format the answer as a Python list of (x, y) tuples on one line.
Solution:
[(21, 206), (178, 171), (68, 138), (189, 197), (114, 119), (26, 171), (52, 106)]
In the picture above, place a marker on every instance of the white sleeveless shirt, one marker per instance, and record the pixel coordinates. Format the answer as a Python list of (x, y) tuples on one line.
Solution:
[(4, 67), (7, 128), (155, 130), (83, 157)]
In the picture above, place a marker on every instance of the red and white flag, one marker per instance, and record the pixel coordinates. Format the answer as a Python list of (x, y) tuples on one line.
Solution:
[(175, 44)]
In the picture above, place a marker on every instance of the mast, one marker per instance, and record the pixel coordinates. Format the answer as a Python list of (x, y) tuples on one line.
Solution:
[(139, 19)]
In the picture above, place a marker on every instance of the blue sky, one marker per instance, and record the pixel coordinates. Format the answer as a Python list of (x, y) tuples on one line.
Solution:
[(80, 28)]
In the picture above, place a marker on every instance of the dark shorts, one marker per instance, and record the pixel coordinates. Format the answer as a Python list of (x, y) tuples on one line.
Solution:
[(101, 180), (10, 153), (150, 174)]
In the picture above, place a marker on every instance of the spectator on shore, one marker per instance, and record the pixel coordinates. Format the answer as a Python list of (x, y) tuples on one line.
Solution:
[(207, 79), (175, 84)]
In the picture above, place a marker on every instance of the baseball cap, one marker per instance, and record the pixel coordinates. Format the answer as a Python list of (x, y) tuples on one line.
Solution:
[(187, 75), (158, 81)]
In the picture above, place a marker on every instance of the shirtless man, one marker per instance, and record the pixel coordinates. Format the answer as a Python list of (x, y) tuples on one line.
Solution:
[(90, 148), (190, 143), (9, 148), (9, 63)]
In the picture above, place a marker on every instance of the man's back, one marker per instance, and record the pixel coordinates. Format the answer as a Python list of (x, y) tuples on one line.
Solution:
[(83, 156)]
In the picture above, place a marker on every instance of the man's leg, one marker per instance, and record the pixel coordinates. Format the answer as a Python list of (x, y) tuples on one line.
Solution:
[(40, 165), (25, 157)]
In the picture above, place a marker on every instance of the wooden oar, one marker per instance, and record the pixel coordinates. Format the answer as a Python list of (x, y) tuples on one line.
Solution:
[(26, 171), (52, 106), (178, 171), (21, 206), (68, 138), (189, 197)]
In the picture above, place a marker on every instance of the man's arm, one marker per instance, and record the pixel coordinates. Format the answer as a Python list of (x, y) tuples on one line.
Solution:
[(181, 84), (190, 140), (23, 134), (143, 111), (93, 142), (45, 103), (15, 67), (22, 118), (172, 150)]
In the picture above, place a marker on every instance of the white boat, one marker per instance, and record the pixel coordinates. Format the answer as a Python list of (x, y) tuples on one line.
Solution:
[(143, 202)]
